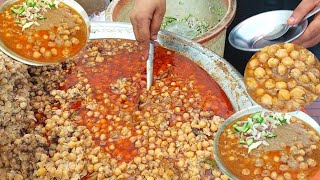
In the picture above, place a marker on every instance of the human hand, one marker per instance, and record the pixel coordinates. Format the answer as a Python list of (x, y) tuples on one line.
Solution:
[(311, 36), (146, 18)]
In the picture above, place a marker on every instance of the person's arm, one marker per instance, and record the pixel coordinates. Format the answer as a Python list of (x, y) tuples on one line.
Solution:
[(311, 36), (146, 18)]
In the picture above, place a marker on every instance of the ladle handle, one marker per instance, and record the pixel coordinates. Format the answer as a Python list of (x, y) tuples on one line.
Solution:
[(314, 11)]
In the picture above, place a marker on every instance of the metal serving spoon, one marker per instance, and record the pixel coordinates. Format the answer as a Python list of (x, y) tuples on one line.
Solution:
[(150, 65), (281, 29)]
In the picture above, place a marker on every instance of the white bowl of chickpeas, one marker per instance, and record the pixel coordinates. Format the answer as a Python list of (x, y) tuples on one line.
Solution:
[(42, 32), (283, 77), (289, 151)]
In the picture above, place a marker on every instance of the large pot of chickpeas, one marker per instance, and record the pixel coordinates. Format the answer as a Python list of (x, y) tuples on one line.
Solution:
[(91, 117)]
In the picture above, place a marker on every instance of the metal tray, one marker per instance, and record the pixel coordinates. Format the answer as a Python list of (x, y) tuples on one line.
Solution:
[(229, 79)]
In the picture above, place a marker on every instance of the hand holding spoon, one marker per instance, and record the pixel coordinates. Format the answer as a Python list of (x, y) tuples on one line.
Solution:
[(281, 29)]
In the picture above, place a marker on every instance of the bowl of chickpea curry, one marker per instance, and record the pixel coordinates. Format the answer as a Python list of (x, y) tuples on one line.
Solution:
[(255, 143), (283, 77), (42, 32)]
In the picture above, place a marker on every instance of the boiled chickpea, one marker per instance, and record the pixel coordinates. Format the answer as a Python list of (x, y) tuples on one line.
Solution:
[(294, 54), (284, 94), (254, 63), (79, 21), (297, 92), (68, 43), (300, 65), (312, 77), (291, 84), (51, 44), (287, 176), (66, 52), (289, 47), (30, 39), (287, 61), (259, 92), (47, 54), (295, 73), (42, 50), (273, 62), (274, 175), (251, 83), (269, 84), (36, 54), (266, 99), (263, 57), (265, 49), (304, 78), (281, 53), (54, 51), (316, 72), (65, 37), (76, 28), (318, 89), (281, 85), (19, 46), (245, 172), (303, 166), (273, 49), (310, 60), (282, 70), (311, 162), (274, 100), (283, 167), (75, 41), (36, 35), (304, 53), (259, 72)]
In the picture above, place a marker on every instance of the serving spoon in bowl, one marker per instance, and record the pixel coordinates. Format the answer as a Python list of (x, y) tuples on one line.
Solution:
[(282, 29)]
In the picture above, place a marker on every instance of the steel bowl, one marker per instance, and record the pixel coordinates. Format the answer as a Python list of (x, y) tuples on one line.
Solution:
[(248, 35), (250, 110), (228, 78), (24, 60)]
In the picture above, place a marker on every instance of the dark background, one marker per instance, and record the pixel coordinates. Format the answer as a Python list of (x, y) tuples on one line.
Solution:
[(246, 9)]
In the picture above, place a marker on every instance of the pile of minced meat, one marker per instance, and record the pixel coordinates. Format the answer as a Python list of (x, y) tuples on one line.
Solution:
[(39, 138)]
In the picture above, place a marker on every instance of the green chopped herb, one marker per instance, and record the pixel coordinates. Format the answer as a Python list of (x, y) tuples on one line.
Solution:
[(30, 11), (258, 127), (211, 162)]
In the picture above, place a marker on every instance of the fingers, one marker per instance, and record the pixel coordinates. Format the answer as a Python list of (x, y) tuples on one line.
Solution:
[(157, 19), (146, 18), (311, 36), (141, 26), (302, 10)]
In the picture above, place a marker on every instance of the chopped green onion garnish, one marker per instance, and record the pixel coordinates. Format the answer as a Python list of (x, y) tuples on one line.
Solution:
[(258, 128)]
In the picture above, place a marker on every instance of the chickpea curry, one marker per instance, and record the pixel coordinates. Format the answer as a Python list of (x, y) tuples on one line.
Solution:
[(283, 77), (42, 30), (269, 145), (166, 132)]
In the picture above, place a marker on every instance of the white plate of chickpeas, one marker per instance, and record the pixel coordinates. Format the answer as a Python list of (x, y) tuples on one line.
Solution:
[(42, 32), (283, 77)]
